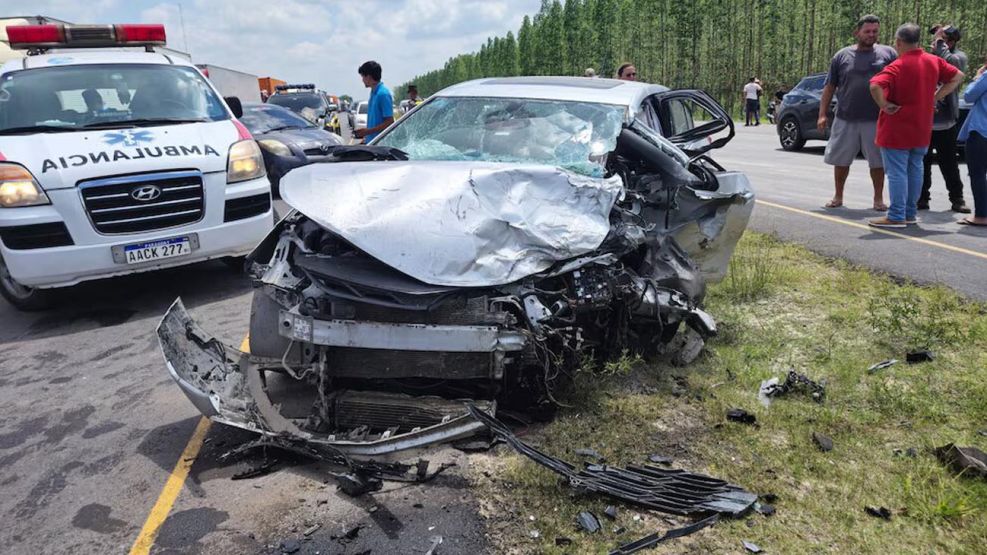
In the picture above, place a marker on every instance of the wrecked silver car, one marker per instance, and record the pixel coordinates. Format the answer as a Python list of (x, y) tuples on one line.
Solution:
[(477, 252)]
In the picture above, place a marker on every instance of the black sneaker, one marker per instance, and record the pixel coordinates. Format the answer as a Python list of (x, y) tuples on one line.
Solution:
[(922, 205), (961, 208)]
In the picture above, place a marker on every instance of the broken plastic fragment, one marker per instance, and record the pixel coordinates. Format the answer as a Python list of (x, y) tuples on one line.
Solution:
[(355, 484), (879, 512), (588, 522), (823, 442), (765, 509), (656, 458), (968, 461), (922, 355), (656, 538), (882, 365), (611, 512), (751, 547), (741, 415), (436, 541), (585, 452)]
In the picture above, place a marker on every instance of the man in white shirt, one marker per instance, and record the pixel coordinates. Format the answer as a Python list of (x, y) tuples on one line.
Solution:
[(752, 94)]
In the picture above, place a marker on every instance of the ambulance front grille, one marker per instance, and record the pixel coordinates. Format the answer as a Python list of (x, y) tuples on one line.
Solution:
[(144, 202)]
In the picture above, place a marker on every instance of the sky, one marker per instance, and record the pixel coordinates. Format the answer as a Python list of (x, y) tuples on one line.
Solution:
[(307, 41)]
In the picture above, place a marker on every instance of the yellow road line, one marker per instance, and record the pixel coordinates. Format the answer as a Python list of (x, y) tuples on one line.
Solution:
[(173, 487), (866, 227)]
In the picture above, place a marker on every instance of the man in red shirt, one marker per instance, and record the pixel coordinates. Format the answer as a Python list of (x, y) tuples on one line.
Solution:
[(906, 92)]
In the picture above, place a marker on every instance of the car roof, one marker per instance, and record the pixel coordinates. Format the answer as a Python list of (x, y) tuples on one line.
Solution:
[(572, 89), (94, 56)]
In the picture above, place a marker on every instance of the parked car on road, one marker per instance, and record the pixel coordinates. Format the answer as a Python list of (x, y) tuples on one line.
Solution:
[(305, 101), (798, 112), (115, 163), (361, 115), (287, 140), (476, 251)]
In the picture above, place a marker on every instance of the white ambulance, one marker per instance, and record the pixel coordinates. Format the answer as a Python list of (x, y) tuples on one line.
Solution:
[(115, 162)]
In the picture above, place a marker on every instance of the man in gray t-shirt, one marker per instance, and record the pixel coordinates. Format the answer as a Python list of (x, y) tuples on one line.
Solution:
[(855, 125)]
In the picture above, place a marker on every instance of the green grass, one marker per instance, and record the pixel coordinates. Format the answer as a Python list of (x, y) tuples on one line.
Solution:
[(781, 307)]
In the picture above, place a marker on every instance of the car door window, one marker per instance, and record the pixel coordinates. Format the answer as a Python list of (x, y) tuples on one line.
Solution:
[(692, 120)]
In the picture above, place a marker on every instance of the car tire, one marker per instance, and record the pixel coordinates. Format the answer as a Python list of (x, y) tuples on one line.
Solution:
[(790, 135), (24, 298)]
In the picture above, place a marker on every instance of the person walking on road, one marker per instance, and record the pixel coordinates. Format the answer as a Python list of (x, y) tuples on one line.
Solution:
[(974, 132), (855, 124), (752, 102), (906, 92), (627, 72), (944, 127), (380, 108)]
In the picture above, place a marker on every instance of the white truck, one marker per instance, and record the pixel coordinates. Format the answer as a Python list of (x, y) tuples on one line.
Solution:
[(114, 162), (230, 82)]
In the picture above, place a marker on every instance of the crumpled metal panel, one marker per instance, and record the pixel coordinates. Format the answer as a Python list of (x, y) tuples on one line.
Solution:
[(489, 224)]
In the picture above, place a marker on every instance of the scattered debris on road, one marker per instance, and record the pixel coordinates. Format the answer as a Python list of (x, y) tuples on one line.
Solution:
[(652, 540), (824, 443), (266, 467), (967, 461), (666, 490), (882, 365), (436, 542), (794, 383)]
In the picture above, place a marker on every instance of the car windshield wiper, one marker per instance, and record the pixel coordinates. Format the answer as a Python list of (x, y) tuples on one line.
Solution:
[(147, 122), (283, 127), (36, 129)]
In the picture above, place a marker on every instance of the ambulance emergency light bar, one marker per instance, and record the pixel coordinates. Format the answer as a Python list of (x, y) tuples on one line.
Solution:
[(24, 37)]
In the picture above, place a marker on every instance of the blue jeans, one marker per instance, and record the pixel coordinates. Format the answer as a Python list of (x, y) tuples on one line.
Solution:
[(976, 164), (904, 170)]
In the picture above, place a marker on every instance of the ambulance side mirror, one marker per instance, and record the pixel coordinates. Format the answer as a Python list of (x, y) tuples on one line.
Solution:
[(235, 106)]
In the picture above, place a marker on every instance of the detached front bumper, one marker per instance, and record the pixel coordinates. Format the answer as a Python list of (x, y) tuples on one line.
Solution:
[(228, 386)]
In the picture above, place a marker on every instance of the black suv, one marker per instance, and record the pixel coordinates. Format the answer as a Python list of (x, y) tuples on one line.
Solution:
[(799, 111)]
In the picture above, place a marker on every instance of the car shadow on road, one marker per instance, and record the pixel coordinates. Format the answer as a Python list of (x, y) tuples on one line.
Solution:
[(115, 301)]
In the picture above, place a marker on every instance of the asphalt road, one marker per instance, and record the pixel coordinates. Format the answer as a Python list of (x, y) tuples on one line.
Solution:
[(792, 188), (92, 427)]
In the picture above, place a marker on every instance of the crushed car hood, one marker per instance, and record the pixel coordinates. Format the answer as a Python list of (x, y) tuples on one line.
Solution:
[(465, 224)]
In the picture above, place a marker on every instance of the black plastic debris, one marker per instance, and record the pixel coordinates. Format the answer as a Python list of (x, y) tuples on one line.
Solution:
[(474, 445), (349, 535), (741, 415), (588, 522), (879, 512), (751, 546), (882, 365), (262, 469), (824, 443), (658, 459), (671, 491), (967, 461), (591, 453), (911, 452), (563, 541), (652, 540), (765, 509), (610, 512), (618, 530), (356, 484), (921, 355)]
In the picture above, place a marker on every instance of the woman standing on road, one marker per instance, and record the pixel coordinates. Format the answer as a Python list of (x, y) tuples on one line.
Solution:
[(974, 132)]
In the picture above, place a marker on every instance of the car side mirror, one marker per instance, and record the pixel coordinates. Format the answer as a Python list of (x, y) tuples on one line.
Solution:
[(235, 106)]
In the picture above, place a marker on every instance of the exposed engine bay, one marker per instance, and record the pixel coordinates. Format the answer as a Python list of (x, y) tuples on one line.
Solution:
[(398, 291)]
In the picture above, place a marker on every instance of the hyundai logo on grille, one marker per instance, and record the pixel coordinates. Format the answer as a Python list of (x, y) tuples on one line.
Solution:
[(325, 148), (146, 193)]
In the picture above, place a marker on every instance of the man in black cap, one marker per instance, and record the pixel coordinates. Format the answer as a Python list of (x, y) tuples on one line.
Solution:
[(944, 128)]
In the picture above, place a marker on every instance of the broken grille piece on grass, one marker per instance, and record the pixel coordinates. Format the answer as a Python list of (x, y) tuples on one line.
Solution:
[(652, 540), (666, 490)]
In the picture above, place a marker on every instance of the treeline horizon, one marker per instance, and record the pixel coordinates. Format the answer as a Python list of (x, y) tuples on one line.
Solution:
[(715, 45)]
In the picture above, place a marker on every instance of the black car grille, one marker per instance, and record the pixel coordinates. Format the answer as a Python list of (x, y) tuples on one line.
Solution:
[(113, 208), (36, 236), (317, 151), (246, 207)]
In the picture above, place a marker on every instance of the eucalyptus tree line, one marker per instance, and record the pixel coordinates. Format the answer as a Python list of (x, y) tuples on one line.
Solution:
[(715, 45)]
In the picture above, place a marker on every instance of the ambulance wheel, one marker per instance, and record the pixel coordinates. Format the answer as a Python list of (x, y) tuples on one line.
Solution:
[(21, 296)]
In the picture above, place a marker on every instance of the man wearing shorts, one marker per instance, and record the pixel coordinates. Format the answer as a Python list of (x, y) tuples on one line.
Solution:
[(855, 125)]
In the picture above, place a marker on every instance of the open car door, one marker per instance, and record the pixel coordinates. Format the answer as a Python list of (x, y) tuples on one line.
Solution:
[(692, 120)]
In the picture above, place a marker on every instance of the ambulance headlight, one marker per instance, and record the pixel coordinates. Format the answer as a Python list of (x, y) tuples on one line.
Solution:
[(245, 162), (19, 188), (275, 147)]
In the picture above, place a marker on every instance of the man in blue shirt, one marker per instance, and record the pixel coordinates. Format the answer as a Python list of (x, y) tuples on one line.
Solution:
[(380, 108)]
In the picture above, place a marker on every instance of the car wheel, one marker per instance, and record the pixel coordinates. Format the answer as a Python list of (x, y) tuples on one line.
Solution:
[(21, 296), (790, 135)]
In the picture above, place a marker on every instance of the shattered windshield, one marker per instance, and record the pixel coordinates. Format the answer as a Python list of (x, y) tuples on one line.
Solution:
[(573, 135)]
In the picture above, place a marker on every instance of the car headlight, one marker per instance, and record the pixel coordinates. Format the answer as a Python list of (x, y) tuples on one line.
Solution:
[(275, 147), (245, 162), (19, 188)]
